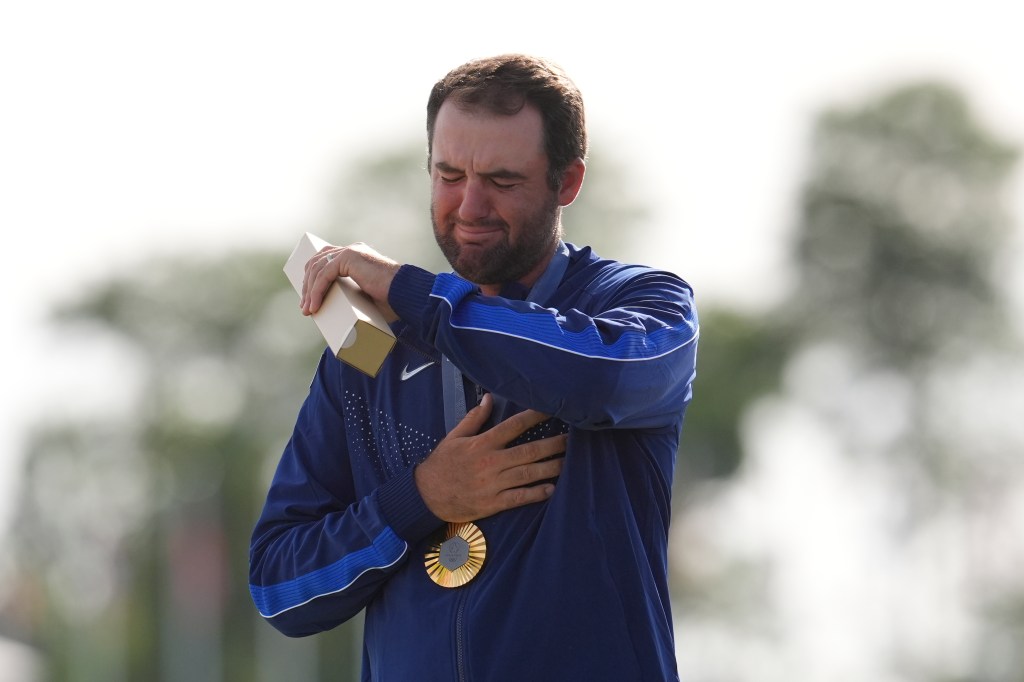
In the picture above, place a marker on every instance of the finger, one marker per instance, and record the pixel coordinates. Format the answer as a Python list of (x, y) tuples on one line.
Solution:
[(535, 450), (322, 272), (309, 274), (510, 429), (315, 291), (474, 420), (517, 497), (528, 474), (315, 263), (314, 260)]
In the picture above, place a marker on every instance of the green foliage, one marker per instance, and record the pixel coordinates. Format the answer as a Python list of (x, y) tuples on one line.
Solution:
[(739, 360), (901, 226)]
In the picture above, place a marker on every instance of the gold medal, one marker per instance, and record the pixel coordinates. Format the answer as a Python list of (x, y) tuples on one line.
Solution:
[(456, 554)]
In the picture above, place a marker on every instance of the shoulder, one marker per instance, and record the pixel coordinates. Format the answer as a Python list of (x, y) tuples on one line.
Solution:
[(604, 276)]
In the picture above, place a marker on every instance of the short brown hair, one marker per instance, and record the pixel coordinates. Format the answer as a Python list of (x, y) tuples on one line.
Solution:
[(504, 85)]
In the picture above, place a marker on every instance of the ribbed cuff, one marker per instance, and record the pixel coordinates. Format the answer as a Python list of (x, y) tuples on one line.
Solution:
[(404, 509), (410, 291)]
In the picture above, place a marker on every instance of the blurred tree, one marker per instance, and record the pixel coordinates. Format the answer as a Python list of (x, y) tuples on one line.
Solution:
[(740, 359), (899, 363), (132, 534), (899, 250), (903, 208)]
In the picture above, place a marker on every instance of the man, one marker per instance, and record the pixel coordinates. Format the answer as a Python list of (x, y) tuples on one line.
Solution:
[(496, 543)]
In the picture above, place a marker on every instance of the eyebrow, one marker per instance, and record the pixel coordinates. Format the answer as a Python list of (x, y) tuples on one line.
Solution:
[(502, 173)]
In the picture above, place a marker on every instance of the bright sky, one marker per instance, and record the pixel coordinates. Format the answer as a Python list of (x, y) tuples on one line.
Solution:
[(133, 128)]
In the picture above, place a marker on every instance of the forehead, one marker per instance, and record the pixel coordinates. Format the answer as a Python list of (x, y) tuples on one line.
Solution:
[(479, 139)]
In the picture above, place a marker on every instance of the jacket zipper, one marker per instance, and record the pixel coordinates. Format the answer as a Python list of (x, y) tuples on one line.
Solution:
[(460, 645)]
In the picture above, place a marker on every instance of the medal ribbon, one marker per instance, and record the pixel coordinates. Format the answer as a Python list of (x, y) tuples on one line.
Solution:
[(456, 555)]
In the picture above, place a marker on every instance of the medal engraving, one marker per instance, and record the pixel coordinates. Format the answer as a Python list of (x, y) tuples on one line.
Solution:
[(456, 555)]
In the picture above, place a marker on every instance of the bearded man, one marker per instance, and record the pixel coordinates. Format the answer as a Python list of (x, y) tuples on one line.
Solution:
[(498, 498)]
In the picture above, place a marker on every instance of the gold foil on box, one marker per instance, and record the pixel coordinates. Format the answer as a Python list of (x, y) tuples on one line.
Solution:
[(456, 555)]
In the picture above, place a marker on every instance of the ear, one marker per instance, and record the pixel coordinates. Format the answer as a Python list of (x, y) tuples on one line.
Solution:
[(572, 180)]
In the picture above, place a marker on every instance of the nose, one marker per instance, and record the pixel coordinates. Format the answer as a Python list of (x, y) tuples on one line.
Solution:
[(475, 205)]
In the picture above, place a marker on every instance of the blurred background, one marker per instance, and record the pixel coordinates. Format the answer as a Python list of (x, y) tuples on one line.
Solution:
[(839, 182)]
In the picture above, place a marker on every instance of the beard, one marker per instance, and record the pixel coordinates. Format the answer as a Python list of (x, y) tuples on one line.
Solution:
[(506, 261)]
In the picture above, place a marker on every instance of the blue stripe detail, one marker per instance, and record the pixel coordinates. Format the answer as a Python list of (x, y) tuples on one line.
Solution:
[(451, 288), (272, 600), (631, 345)]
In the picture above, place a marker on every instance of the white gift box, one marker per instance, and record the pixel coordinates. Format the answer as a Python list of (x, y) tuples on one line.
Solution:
[(349, 320)]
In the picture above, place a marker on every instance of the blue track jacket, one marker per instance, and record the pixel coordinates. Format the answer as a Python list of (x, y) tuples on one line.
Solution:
[(574, 588)]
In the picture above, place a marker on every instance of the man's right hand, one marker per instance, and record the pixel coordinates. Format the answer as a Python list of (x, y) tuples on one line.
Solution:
[(471, 475), (372, 271)]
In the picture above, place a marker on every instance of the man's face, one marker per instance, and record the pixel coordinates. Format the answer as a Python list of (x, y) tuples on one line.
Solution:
[(495, 217)]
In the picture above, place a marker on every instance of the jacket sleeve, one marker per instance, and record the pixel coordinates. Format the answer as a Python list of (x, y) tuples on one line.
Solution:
[(318, 554), (624, 359)]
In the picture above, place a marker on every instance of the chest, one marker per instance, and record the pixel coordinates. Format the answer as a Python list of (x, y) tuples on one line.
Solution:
[(395, 420)]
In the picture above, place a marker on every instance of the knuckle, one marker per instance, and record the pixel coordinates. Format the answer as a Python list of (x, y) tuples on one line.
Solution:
[(518, 497), (543, 449)]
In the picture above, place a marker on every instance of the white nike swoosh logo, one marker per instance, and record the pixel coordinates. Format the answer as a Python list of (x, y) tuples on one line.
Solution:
[(406, 374)]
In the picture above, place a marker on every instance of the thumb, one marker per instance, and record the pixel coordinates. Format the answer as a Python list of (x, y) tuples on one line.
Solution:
[(474, 419)]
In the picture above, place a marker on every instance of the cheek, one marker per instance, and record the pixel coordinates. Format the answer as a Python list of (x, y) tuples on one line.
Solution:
[(443, 199), (515, 209)]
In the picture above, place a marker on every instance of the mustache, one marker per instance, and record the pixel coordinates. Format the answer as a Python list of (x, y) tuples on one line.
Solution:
[(486, 223)]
